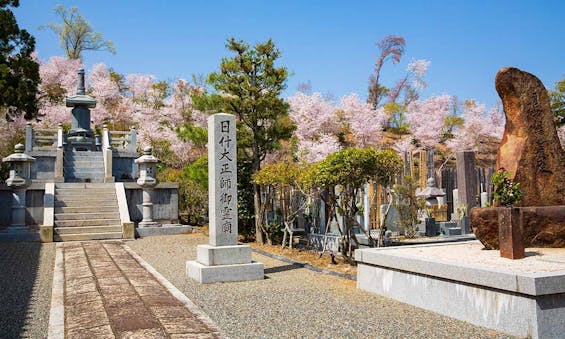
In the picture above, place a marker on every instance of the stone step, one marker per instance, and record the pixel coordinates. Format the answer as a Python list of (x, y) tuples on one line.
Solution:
[(82, 216), (80, 170), (83, 164), (93, 157), (82, 191), (86, 202), (107, 208), (85, 177), (83, 185), (84, 180), (87, 222), (87, 236), (85, 196), (83, 153), (88, 229)]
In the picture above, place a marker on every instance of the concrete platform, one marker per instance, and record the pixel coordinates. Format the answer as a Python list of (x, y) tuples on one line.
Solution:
[(224, 263), (520, 297)]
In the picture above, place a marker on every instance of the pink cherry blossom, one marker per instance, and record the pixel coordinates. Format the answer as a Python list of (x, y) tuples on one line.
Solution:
[(476, 127), (366, 123), (315, 150), (426, 119)]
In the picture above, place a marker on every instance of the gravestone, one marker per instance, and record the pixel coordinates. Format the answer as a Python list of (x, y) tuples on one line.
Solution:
[(466, 179), (223, 259)]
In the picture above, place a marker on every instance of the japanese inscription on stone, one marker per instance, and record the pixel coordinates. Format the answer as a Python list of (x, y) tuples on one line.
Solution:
[(222, 179)]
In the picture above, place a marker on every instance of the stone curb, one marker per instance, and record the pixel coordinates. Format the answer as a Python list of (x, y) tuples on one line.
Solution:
[(307, 266), (177, 294), (57, 313)]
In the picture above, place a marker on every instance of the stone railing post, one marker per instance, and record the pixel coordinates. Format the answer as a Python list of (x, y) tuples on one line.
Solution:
[(46, 229), (29, 137), (133, 140), (107, 154), (59, 156)]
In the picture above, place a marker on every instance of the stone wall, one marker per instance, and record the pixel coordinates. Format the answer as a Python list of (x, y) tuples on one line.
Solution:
[(165, 202), (34, 205), (5, 205), (123, 167), (165, 208), (43, 168)]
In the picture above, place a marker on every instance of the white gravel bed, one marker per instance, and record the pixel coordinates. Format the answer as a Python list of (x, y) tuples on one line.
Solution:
[(296, 302), (472, 253), (26, 275)]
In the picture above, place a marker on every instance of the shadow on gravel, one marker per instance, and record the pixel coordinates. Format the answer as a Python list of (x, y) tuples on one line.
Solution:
[(18, 271), (278, 269)]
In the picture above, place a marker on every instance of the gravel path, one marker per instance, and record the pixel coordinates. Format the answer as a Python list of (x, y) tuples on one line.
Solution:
[(26, 275), (296, 302)]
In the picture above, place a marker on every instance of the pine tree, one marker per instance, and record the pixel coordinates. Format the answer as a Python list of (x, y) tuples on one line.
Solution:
[(19, 73), (249, 85)]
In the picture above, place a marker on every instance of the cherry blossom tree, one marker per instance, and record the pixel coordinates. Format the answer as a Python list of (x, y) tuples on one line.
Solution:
[(113, 106), (366, 123), (412, 82), (158, 109), (477, 127), (316, 126), (58, 79), (426, 119), (322, 126)]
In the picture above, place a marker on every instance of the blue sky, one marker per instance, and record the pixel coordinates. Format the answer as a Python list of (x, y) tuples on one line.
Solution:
[(329, 43)]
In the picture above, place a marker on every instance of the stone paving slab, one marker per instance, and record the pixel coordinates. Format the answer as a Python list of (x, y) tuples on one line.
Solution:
[(105, 290)]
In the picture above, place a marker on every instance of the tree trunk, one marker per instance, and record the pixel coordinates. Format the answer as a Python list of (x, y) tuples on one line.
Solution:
[(259, 235), (257, 209)]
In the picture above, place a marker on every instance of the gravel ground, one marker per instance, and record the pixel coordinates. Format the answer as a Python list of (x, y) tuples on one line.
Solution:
[(26, 275), (296, 302)]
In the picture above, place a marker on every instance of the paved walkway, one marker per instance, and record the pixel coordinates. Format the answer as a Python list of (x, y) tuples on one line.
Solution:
[(110, 292)]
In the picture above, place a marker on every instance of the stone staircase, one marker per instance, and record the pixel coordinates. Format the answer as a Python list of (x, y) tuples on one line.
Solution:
[(83, 166), (86, 211)]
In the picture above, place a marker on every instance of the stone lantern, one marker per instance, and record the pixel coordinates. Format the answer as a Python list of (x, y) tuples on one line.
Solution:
[(19, 180), (431, 193), (147, 180)]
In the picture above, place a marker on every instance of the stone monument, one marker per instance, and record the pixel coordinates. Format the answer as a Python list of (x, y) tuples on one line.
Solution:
[(80, 136), (223, 259), (531, 153), (530, 150)]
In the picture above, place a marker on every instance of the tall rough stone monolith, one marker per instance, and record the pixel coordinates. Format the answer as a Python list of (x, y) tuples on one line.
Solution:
[(530, 150)]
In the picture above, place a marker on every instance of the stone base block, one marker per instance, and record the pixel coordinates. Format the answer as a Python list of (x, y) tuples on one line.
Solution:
[(209, 255), (146, 224), (453, 231), (46, 233), (224, 273), (541, 226), (128, 230), (163, 230)]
